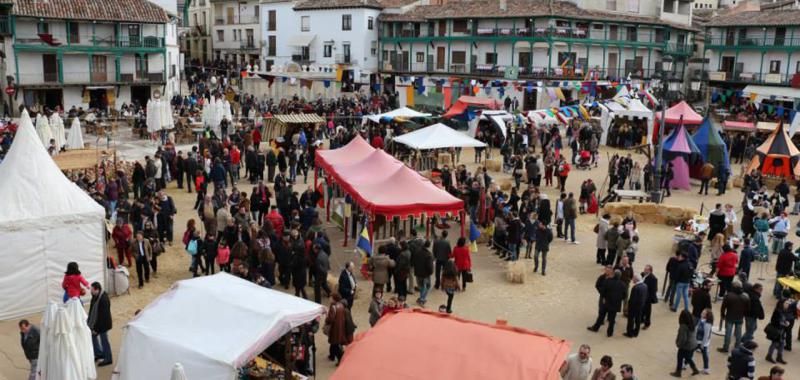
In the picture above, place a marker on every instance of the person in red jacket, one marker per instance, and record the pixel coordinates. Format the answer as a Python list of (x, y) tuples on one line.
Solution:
[(275, 218), (377, 141), (236, 159), (563, 171), (122, 235), (463, 260), (726, 268)]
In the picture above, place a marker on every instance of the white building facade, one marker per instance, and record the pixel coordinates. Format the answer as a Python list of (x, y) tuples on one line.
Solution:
[(198, 40), (60, 58), (236, 33)]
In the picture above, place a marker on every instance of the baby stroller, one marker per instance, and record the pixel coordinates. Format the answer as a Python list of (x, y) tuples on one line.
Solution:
[(584, 160)]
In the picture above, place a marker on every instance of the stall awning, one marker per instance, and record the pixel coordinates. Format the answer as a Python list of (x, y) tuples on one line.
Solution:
[(438, 136), (787, 94), (300, 118), (740, 126), (301, 39)]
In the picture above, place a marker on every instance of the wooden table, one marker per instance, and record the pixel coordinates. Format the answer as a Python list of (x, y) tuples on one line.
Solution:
[(632, 194)]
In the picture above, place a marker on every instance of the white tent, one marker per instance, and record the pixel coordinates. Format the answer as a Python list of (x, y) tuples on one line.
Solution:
[(499, 118), (212, 325), (65, 347), (46, 221), (437, 136), (57, 129), (75, 135), (635, 109), (43, 130), (403, 112)]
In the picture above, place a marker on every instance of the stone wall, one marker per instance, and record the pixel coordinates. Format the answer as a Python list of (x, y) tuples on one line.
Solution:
[(651, 212)]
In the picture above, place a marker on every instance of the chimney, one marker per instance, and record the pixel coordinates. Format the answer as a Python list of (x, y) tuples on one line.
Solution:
[(504, 5)]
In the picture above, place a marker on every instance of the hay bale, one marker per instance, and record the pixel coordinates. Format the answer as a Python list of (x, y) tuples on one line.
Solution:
[(645, 208), (506, 185), (515, 272), (617, 208), (494, 165)]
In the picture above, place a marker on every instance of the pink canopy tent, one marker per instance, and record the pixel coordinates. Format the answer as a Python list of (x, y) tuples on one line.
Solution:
[(678, 148), (675, 112), (383, 185)]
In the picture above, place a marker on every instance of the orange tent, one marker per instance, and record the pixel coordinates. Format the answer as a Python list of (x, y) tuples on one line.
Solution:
[(439, 346)]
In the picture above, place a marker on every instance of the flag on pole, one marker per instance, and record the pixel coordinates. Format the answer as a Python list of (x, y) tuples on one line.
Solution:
[(474, 234), (363, 245)]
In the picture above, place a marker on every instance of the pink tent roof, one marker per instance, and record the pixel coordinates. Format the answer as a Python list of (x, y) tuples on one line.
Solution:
[(354, 151), (681, 142), (675, 112), (381, 184)]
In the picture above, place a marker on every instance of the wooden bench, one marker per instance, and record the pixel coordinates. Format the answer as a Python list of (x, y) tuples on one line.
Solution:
[(632, 194)]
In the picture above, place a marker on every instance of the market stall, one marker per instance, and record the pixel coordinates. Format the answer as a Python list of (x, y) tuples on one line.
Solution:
[(681, 113), (214, 326), (437, 136), (442, 346), (628, 121), (681, 151), (777, 156), (712, 148), (284, 126), (469, 104)]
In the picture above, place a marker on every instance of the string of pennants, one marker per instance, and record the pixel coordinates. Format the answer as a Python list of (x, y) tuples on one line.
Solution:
[(770, 109), (341, 76)]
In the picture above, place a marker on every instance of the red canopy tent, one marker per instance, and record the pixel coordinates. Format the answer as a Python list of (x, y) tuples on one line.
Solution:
[(383, 185), (446, 347), (465, 102)]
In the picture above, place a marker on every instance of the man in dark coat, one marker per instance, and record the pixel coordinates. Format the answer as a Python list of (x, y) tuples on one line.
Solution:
[(544, 213), (347, 283), (100, 322), (636, 303), (716, 222), (651, 281), (190, 167), (321, 265), (441, 252), (612, 295), (29, 339)]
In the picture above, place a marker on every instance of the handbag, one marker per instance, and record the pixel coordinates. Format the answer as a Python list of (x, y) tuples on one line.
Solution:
[(468, 276), (596, 228), (158, 248), (192, 247)]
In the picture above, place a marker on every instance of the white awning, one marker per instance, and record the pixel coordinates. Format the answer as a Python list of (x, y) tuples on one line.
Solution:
[(786, 94), (437, 136), (301, 39)]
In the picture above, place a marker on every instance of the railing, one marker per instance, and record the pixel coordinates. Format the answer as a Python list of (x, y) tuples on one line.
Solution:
[(97, 41), (750, 77), (219, 21), (528, 72), (673, 48), (344, 59), (752, 41), (304, 58), (5, 25), (248, 45), (49, 77)]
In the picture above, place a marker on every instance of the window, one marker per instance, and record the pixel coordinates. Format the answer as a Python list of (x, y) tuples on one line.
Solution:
[(271, 20), (221, 35), (370, 23), (597, 26), (491, 58), (273, 43), (797, 67), (458, 57), (74, 33), (235, 35), (420, 57), (327, 50), (305, 23), (134, 34), (257, 11), (632, 33), (373, 48), (43, 28), (774, 67), (633, 6), (141, 66), (460, 26), (347, 22), (611, 5), (385, 56), (171, 66)]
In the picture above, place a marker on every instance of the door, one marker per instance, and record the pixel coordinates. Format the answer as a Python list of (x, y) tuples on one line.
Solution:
[(99, 73), (524, 61), (250, 40), (638, 64), (612, 32), (134, 35), (346, 52), (442, 28), (730, 37), (728, 64), (529, 100), (612, 65), (406, 63), (50, 67), (780, 36), (440, 58), (229, 15)]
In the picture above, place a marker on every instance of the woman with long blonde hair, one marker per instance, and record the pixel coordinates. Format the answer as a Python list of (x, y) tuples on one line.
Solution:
[(715, 249)]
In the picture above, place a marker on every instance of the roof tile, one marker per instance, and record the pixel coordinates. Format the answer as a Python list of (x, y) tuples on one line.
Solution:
[(105, 10)]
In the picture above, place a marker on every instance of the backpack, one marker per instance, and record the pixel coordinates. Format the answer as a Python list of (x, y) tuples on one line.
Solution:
[(700, 332)]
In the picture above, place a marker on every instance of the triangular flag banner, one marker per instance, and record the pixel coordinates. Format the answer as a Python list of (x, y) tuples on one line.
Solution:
[(339, 73), (327, 84), (559, 94)]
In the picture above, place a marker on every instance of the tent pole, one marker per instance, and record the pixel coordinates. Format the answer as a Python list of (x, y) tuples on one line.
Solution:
[(328, 206), (344, 223)]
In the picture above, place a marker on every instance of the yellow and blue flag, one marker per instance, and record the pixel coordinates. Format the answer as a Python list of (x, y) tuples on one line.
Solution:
[(363, 245)]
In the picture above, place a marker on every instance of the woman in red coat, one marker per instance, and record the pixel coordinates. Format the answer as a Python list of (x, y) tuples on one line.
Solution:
[(463, 260), (726, 268)]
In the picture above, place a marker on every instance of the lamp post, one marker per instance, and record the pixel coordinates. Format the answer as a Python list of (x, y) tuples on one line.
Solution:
[(666, 70)]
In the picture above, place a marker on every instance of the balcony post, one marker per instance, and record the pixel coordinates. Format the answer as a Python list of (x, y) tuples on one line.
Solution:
[(735, 61), (788, 63), (761, 68), (117, 66), (94, 34), (604, 55), (91, 70), (60, 67), (530, 46), (649, 59)]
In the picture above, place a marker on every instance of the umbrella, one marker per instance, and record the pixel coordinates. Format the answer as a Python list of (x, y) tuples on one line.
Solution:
[(43, 130), (82, 338), (57, 129), (75, 135), (178, 373), (165, 111)]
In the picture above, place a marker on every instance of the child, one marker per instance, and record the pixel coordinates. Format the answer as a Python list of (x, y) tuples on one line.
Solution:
[(72, 282)]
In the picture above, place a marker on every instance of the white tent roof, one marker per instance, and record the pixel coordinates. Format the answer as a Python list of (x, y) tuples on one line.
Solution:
[(635, 109), (212, 325), (437, 136), (35, 190), (400, 112)]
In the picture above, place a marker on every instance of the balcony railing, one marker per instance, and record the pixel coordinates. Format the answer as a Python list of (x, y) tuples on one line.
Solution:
[(304, 59), (49, 77), (752, 41), (344, 59), (97, 41), (246, 19), (249, 45), (528, 72), (750, 77)]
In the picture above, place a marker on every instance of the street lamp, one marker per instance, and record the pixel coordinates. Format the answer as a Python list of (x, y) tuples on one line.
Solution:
[(666, 71)]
